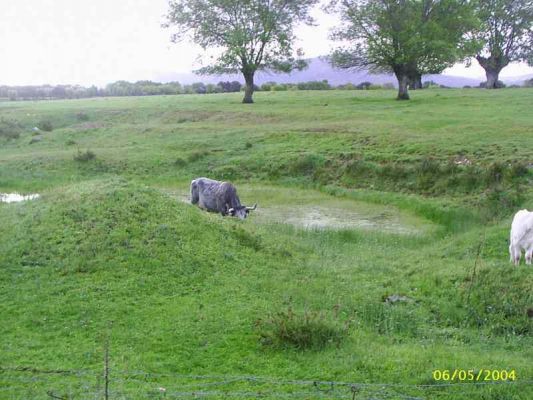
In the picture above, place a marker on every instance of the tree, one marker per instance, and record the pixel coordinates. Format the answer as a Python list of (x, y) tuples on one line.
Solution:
[(252, 34), (507, 34), (199, 88), (407, 37)]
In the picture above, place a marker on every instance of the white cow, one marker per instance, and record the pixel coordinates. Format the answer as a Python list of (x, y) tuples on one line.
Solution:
[(521, 236)]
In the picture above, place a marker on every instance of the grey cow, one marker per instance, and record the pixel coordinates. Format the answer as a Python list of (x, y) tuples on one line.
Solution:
[(219, 197)]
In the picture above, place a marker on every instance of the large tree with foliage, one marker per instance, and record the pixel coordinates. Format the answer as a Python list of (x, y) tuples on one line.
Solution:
[(407, 37), (251, 34), (507, 35)]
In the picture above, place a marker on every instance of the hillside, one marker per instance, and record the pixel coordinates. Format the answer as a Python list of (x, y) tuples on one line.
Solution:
[(191, 304), (319, 69)]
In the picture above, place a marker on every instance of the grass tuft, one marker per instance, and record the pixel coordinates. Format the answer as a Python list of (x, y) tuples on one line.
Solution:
[(45, 125), (307, 330), (82, 116), (84, 156), (197, 155)]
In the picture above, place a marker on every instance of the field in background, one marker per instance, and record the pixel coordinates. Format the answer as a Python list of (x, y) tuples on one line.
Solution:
[(193, 302)]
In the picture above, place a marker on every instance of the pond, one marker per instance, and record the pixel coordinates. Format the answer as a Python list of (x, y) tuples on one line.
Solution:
[(311, 209)]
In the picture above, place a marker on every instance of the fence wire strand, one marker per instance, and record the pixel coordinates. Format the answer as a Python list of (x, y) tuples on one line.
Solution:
[(85, 382)]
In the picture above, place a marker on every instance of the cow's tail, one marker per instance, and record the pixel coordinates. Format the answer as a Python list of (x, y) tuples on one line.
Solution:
[(195, 194)]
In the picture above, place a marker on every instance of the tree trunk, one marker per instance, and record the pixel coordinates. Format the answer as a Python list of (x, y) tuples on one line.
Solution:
[(492, 78), (248, 88), (492, 66), (403, 81)]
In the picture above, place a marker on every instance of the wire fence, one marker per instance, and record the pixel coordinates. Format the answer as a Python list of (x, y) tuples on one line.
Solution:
[(109, 383)]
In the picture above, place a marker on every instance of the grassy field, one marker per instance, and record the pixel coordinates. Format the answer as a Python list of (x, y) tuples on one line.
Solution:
[(193, 305)]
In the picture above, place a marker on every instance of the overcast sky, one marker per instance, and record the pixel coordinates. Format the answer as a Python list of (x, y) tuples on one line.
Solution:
[(100, 41)]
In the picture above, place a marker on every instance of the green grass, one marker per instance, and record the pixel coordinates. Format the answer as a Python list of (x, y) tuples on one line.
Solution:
[(109, 253)]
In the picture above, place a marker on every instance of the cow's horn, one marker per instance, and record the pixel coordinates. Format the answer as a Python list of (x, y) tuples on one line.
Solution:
[(252, 208)]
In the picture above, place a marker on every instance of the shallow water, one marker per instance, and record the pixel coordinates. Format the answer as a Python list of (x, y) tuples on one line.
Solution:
[(16, 197), (323, 217), (310, 209)]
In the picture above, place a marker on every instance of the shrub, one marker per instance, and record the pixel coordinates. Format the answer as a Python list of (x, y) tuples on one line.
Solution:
[(360, 168), (197, 155), (188, 89), (10, 129), (394, 171), (427, 173), (428, 166), (389, 319), (256, 88), (213, 88), (199, 88), (229, 87), (499, 201), (314, 85), (70, 142), (85, 156), (81, 116), (518, 169), (364, 85), (46, 125), (469, 178), (308, 330), (504, 314), (266, 87), (347, 86), (179, 162), (307, 164), (430, 84), (279, 88), (496, 172)]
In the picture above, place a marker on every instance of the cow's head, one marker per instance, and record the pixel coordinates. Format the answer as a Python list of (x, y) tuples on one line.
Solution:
[(241, 212)]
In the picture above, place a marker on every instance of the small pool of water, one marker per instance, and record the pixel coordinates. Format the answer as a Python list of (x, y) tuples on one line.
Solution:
[(325, 217), (310, 209), (16, 197)]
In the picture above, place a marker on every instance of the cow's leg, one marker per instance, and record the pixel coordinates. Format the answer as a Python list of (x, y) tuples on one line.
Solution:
[(517, 254), (195, 194), (221, 207), (529, 256)]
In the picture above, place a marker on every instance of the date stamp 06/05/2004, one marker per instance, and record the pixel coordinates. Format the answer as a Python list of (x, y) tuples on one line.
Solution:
[(474, 375)]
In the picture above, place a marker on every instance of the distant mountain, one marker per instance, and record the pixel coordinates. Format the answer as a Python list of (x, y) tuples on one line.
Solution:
[(319, 70), (517, 80)]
